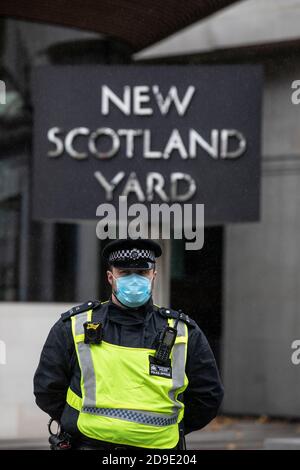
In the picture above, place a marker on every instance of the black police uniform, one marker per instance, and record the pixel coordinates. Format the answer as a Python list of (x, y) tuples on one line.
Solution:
[(139, 328)]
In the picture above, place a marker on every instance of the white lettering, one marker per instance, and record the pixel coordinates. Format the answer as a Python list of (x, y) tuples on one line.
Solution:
[(107, 96), (175, 143), (109, 187), (140, 96), (164, 104), (53, 138)]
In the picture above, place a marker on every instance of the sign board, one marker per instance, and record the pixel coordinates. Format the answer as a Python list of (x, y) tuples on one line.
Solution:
[(157, 134)]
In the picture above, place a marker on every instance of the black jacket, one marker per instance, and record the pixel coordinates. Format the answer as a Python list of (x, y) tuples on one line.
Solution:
[(58, 367)]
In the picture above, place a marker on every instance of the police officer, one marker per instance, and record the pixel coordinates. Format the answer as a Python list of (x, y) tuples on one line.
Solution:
[(126, 372)]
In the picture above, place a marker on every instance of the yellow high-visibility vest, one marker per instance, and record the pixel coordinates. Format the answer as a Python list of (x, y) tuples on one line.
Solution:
[(121, 401)]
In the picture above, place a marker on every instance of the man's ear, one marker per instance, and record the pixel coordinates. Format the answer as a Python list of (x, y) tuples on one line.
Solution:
[(110, 277)]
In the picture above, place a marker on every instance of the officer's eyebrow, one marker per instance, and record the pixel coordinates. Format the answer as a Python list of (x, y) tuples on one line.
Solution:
[(124, 271)]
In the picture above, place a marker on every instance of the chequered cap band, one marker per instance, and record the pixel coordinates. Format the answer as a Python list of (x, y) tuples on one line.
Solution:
[(132, 254)]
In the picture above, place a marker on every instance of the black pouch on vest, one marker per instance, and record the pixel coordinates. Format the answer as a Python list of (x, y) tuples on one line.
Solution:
[(93, 332)]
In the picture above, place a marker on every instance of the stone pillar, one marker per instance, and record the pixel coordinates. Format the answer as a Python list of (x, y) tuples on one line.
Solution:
[(262, 268), (161, 295)]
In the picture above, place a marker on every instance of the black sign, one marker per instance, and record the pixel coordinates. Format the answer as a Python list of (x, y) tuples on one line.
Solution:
[(156, 134)]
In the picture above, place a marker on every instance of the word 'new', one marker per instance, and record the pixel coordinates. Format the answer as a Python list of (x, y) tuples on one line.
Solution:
[(138, 100)]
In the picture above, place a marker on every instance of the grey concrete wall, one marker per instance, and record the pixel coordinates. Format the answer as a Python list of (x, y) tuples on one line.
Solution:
[(23, 331), (262, 269)]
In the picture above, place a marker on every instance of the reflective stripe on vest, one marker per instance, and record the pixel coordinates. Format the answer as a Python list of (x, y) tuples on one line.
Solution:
[(74, 400)]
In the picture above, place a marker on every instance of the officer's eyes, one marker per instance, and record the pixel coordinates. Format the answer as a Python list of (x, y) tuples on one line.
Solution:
[(144, 273), (140, 272)]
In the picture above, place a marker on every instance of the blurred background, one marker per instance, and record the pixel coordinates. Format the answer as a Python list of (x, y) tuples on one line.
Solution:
[(243, 287)]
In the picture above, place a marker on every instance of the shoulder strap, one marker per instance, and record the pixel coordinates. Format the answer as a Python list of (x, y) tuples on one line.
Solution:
[(176, 314), (91, 304)]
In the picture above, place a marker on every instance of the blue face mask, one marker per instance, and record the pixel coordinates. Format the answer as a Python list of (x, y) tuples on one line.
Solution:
[(133, 290)]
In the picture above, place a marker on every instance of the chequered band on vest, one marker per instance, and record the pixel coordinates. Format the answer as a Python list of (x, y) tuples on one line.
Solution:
[(131, 254), (133, 415)]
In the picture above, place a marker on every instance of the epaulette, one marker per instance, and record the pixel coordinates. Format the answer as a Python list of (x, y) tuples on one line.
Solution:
[(91, 304), (169, 313)]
